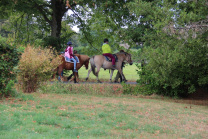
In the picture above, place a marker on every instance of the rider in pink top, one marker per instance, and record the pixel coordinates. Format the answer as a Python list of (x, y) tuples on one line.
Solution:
[(69, 54)]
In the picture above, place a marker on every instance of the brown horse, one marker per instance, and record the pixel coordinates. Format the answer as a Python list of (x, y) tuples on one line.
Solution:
[(83, 60), (99, 61)]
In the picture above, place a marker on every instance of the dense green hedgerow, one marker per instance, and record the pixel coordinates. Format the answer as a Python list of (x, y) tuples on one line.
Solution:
[(8, 60), (177, 69)]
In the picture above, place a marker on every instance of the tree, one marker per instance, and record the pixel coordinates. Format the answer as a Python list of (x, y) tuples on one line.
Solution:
[(175, 45), (50, 13)]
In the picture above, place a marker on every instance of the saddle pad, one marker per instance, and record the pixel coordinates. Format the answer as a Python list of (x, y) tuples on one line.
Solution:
[(70, 61), (109, 59)]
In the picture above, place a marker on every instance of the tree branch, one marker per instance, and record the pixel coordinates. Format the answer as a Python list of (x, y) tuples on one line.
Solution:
[(42, 11), (84, 31)]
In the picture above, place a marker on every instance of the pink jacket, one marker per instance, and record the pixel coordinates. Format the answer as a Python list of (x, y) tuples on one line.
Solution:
[(69, 52)]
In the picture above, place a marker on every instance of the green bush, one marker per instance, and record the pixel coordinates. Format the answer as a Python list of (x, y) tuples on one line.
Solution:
[(176, 69), (9, 58), (35, 66)]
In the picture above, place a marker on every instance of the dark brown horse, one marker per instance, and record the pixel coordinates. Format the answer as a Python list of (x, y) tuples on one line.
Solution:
[(83, 60)]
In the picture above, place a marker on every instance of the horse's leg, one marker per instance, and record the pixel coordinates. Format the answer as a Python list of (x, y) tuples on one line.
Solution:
[(111, 75), (68, 78), (118, 75), (75, 77), (89, 71), (55, 72), (97, 72), (122, 75), (60, 69), (54, 75)]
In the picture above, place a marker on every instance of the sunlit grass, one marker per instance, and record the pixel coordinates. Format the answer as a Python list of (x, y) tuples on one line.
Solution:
[(130, 72)]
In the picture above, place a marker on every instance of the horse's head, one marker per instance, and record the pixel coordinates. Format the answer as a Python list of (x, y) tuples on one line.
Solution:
[(128, 58), (85, 60)]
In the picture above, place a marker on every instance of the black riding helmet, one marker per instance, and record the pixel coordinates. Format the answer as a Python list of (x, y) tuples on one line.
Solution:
[(105, 40)]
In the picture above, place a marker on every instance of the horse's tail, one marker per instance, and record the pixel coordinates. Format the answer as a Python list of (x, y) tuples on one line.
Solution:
[(92, 63)]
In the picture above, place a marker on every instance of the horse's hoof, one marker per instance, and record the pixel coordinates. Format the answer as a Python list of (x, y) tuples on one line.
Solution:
[(125, 81), (99, 81), (86, 79)]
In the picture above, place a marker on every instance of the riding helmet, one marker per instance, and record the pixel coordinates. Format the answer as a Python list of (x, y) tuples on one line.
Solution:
[(69, 43), (105, 40)]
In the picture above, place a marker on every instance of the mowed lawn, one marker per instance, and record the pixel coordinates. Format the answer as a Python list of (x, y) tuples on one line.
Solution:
[(77, 115), (130, 72)]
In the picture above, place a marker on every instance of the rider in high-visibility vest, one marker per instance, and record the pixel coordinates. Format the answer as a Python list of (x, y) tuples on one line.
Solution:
[(107, 51)]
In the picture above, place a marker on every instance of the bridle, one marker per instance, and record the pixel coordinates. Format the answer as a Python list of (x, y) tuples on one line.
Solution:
[(128, 57)]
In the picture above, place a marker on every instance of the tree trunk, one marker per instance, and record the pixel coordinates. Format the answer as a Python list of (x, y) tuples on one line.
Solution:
[(58, 8)]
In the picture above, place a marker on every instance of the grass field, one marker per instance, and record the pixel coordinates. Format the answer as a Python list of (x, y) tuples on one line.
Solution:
[(71, 111), (129, 72)]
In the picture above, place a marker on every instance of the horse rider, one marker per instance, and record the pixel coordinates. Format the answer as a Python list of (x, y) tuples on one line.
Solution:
[(107, 51), (69, 54)]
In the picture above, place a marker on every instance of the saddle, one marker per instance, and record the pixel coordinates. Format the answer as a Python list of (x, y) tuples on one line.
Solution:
[(70, 61), (110, 60)]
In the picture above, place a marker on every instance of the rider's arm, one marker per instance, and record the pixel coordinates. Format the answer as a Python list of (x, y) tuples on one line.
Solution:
[(71, 51), (66, 50)]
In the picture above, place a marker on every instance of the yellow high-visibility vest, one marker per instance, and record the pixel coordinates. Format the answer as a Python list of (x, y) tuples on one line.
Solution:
[(106, 48)]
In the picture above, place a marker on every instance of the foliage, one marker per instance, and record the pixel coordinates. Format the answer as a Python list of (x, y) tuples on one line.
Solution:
[(22, 28), (9, 59), (175, 48), (174, 69), (96, 19), (35, 66), (52, 41)]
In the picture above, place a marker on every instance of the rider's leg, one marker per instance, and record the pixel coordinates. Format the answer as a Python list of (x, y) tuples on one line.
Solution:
[(75, 63), (112, 57)]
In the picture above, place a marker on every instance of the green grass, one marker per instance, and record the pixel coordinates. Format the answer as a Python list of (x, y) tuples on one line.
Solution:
[(129, 72), (88, 115)]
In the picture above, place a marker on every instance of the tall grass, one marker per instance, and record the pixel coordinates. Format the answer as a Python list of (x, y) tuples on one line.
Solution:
[(90, 89)]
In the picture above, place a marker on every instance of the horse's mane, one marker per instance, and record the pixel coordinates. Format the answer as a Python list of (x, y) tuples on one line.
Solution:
[(122, 53), (86, 57)]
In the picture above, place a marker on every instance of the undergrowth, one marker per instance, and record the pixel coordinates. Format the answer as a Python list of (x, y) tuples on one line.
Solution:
[(93, 89)]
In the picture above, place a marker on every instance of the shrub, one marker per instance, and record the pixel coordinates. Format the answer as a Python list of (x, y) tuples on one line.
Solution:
[(176, 70), (9, 58), (35, 66)]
